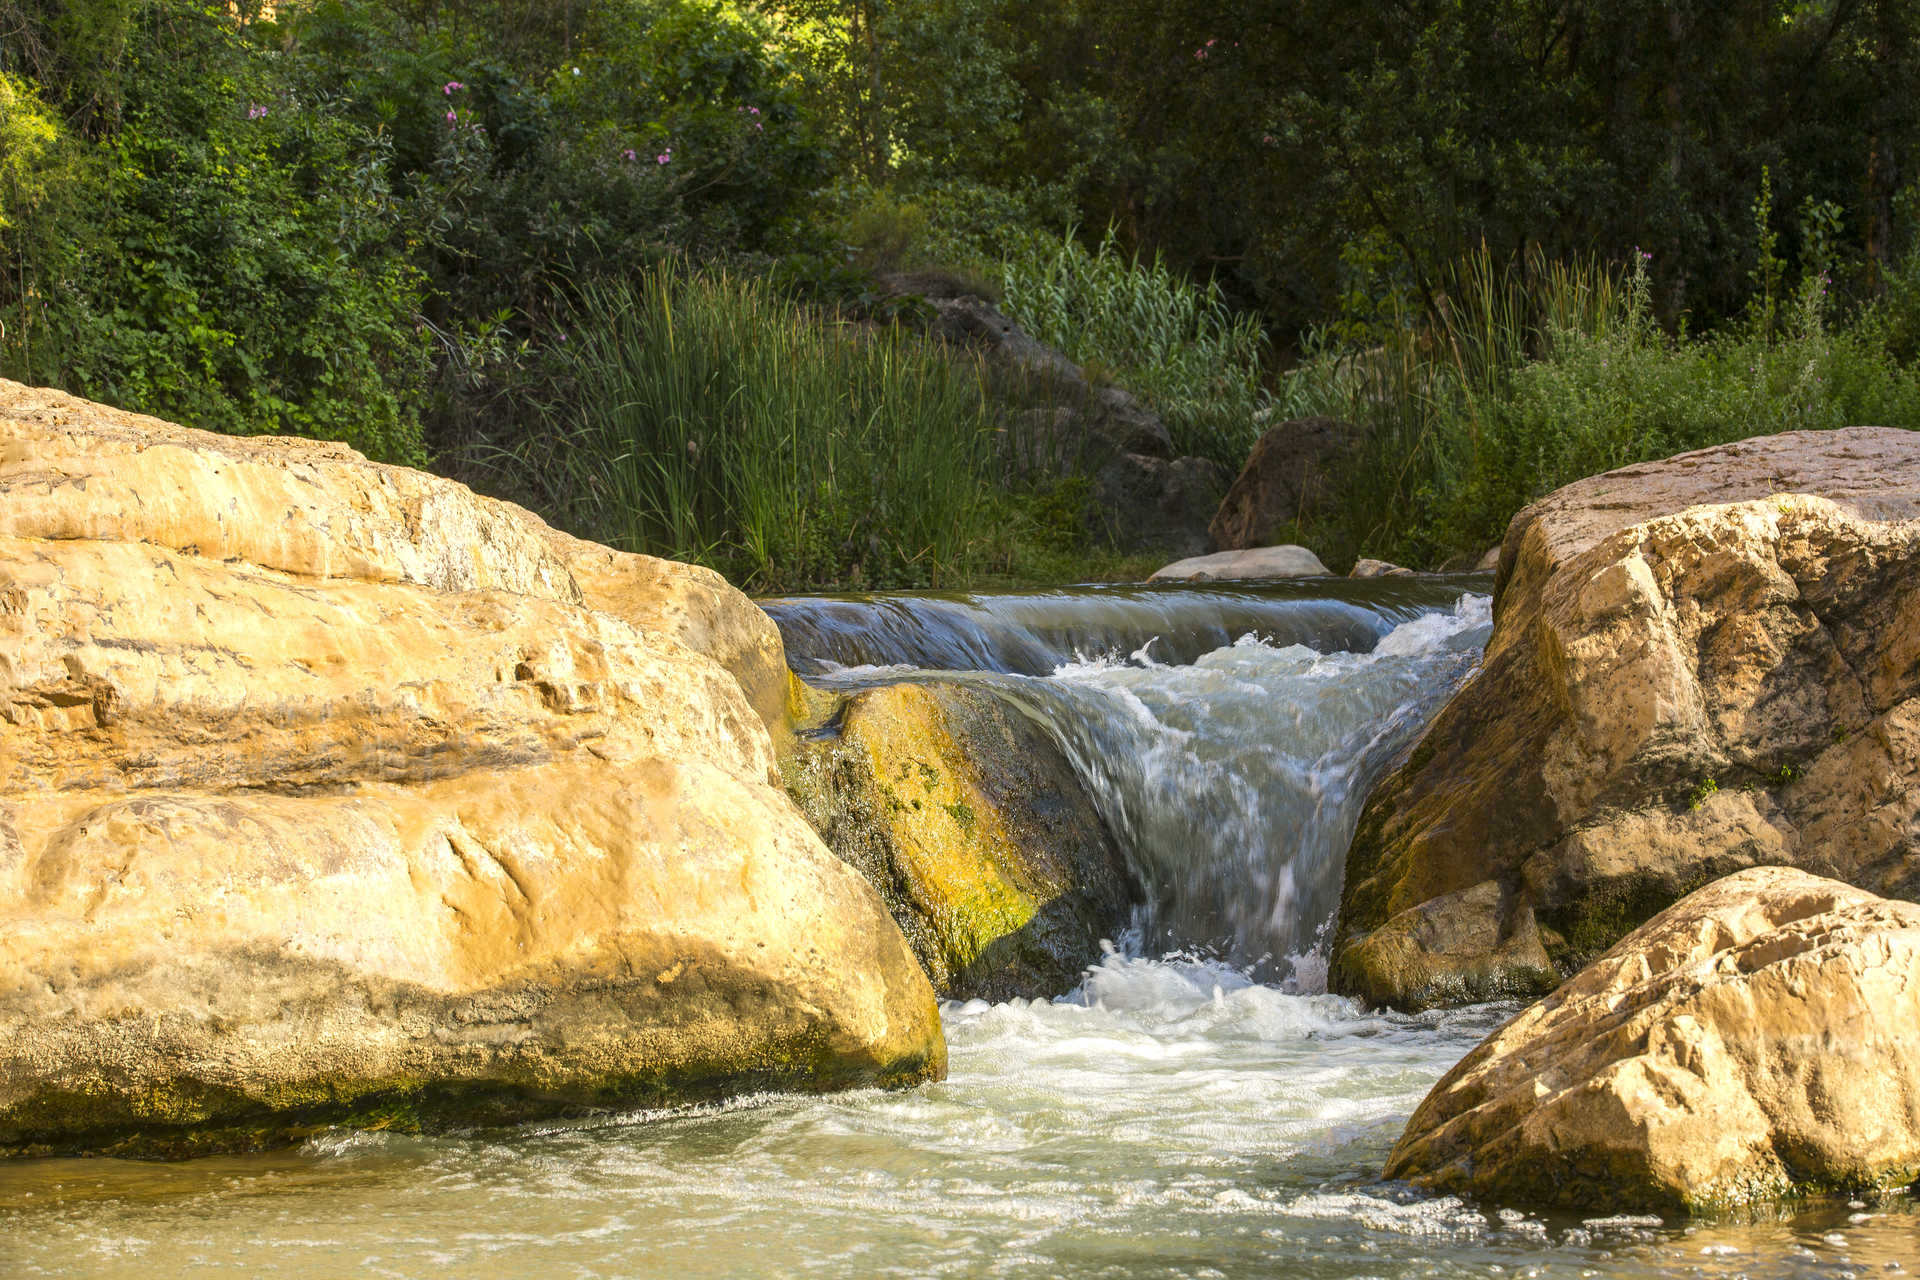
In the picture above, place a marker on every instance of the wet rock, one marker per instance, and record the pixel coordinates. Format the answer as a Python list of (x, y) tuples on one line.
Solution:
[(1286, 479), (332, 792), (1288, 561), (1755, 1040), (976, 829), (1672, 692)]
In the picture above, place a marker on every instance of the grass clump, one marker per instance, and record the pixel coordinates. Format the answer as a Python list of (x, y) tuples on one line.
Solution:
[(1527, 376), (1147, 328), (709, 418)]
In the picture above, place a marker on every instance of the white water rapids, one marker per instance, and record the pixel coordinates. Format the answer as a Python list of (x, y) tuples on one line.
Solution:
[(1197, 1115)]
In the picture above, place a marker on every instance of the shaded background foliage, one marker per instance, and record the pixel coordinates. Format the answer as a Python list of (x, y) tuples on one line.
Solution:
[(378, 220)]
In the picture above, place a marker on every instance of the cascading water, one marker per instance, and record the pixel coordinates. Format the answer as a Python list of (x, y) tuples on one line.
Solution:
[(1173, 1117), (1227, 736)]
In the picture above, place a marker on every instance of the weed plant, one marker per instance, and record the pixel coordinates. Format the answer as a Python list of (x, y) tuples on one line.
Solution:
[(1145, 327), (708, 418), (1529, 376)]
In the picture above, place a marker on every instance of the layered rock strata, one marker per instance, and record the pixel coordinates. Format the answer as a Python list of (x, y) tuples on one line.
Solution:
[(333, 792)]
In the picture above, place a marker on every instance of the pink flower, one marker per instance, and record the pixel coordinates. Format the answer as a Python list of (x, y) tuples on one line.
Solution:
[(256, 110), (629, 154), (451, 117), (665, 157), (451, 86)]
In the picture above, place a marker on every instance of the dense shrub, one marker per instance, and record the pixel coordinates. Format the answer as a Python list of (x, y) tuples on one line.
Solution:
[(1532, 378), (222, 250)]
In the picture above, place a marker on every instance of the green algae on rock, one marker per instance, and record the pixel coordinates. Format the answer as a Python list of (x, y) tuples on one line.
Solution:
[(971, 821)]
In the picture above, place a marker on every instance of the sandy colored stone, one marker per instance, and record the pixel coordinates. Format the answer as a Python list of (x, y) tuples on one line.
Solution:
[(73, 470), (1759, 1038), (973, 824), (1668, 697), (333, 792), (1286, 561), (1366, 568)]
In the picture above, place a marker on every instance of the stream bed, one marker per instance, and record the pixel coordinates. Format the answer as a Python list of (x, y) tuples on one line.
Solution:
[(1198, 1107)]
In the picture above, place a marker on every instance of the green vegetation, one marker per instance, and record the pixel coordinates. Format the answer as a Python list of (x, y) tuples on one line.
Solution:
[(1528, 377), (709, 419), (401, 223), (1145, 327)]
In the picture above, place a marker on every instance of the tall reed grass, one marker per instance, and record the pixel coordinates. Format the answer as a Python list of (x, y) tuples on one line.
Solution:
[(707, 418), (1147, 328), (1529, 375)]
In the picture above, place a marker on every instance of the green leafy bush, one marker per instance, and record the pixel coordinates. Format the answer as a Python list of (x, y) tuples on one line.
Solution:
[(1534, 377), (227, 255)]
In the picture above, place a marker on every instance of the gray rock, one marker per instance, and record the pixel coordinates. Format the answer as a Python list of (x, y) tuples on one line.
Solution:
[(1285, 561), (1285, 479), (1144, 503)]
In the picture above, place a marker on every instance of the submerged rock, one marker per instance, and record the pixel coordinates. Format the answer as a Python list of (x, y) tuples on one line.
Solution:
[(333, 792), (1759, 1038), (1672, 692), (1288, 561), (970, 819)]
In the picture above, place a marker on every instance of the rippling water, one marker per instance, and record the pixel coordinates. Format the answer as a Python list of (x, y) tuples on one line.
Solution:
[(1169, 1120), (1172, 1117)]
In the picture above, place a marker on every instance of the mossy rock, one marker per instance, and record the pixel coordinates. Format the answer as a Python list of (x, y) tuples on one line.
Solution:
[(972, 823)]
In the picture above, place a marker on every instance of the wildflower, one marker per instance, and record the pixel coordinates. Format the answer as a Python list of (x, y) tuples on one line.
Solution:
[(576, 71), (256, 110), (451, 87), (665, 157), (451, 117), (629, 154)]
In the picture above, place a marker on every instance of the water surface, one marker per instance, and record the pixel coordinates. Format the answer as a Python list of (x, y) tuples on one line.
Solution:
[(1197, 1108)]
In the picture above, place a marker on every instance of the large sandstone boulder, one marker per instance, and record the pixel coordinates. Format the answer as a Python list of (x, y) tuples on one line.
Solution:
[(1697, 665), (1759, 1038), (970, 818), (333, 792), (1287, 479)]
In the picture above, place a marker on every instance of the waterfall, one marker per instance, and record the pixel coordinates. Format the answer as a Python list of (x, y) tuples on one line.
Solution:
[(1228, 735)]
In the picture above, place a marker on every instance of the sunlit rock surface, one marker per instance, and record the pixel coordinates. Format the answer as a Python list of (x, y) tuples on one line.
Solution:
[(332, 791), (1697, 665), (1759, 1038)]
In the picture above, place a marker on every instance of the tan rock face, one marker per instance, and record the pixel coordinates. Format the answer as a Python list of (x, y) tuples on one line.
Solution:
[(971, 821), (332, 791), (1666, 698), (1759, 1038)]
